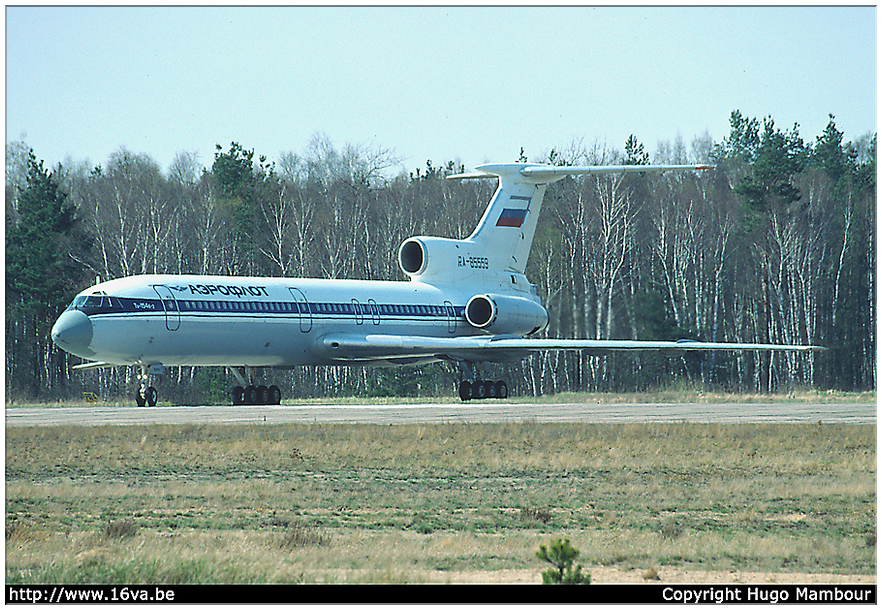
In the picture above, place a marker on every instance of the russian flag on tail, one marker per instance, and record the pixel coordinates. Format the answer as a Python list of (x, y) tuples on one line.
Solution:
[(511, 218)]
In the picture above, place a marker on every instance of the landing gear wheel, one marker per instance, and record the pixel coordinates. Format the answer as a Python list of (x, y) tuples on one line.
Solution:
[(152, 396), (251, 395), (275, 395), (491, 389), (263, 397), (238, 395), (140, 396), (479, 390), (465, 391), (501, 389)]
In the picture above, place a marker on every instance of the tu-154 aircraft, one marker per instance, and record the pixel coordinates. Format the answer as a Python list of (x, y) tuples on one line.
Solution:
[(466, 301)]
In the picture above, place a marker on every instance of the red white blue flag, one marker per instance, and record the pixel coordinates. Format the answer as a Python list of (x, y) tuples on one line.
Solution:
[(511, 218)]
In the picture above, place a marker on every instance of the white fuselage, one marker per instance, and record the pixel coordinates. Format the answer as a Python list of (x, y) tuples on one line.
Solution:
[(255, 321)]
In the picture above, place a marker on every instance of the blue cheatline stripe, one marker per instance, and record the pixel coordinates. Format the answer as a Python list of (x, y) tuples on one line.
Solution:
[(279, 308)]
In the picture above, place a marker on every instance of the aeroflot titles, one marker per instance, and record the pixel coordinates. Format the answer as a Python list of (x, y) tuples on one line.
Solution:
[(237, 291)]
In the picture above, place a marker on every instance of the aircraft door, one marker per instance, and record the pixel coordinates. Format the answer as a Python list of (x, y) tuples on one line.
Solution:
[(170, 306), (302, 308), (451, 316), (375, 311), (358, 310)]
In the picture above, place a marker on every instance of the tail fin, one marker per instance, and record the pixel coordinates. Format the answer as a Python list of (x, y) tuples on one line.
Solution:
[(498, 248), (505, 232)]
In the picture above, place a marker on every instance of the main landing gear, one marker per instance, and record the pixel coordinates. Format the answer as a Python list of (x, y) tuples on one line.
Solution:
[(480, 390), (256, 395), (477, 389), (249, 394)]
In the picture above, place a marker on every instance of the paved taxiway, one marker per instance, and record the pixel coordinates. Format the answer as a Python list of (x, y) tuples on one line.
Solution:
[(484, 412)]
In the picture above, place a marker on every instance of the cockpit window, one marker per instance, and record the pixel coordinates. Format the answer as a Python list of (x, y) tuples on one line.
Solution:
[(99, 301), (77, 303), (94, 301)]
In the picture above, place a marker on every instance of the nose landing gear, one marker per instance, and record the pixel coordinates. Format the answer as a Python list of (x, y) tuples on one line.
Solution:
[(146, 394)]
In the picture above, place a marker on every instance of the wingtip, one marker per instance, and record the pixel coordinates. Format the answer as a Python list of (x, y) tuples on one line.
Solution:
[(470, 176)]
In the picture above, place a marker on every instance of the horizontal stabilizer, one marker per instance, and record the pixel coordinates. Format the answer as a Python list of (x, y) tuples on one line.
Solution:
[(543, 174)]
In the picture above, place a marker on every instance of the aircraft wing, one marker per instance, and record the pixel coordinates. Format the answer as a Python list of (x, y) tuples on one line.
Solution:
[(87, 366), (352, 348)]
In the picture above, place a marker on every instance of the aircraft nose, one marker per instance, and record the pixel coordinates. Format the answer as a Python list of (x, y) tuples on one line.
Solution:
[(73, 333)]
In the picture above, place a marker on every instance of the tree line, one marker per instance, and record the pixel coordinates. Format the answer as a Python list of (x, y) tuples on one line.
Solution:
[(775, 245)]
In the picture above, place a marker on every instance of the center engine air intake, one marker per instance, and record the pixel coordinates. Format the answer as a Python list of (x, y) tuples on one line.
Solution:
[(505, 314), (431, 257), (411, 257)]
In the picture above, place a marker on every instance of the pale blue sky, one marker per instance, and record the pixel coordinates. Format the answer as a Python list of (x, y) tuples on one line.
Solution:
[(440, 83)]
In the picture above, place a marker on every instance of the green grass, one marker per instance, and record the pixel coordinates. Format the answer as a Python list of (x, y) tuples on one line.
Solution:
[(370, 503)]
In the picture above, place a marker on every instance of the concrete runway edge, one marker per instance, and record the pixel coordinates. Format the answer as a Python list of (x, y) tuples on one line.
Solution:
[(475, 412)]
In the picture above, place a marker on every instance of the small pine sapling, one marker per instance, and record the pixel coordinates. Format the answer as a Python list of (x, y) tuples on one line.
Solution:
[(561, 555)]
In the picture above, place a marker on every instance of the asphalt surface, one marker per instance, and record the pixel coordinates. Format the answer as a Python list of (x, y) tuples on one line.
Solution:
[(472, 412)]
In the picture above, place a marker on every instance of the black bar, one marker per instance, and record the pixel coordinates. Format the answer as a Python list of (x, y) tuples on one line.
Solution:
[(435, 594)]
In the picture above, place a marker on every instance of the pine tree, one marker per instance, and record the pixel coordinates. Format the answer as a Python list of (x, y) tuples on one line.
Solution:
[(829, 155), (34, 262), (233, 172), (779, 157), (561, 555), (38, 271), (634, 152)]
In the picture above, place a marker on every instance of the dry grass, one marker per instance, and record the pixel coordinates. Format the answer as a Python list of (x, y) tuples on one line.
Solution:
[(366, 503)]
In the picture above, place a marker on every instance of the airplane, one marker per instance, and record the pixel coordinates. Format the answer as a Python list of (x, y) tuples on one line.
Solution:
[(466, 301)]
